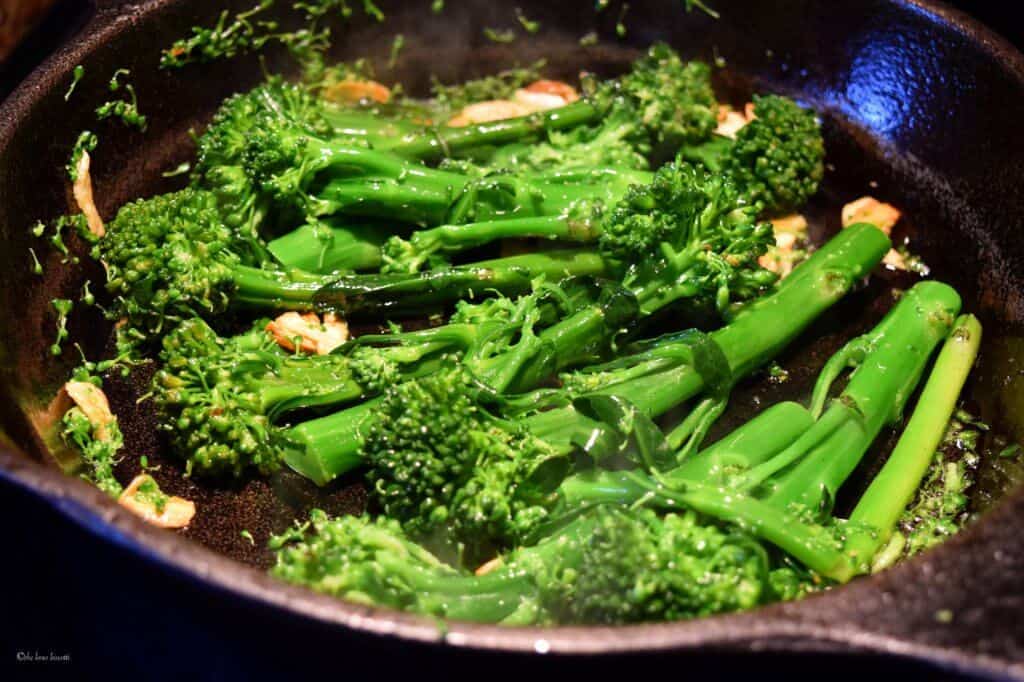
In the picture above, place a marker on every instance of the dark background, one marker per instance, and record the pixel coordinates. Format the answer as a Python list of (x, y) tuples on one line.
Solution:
[(30, 618), (67, 16)]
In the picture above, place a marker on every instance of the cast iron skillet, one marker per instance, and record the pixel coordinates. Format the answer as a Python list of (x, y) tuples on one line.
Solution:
[(920, 105)]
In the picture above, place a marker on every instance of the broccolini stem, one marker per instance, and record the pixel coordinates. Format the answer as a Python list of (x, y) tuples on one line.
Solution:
[(413, 293), (330, 248), (757, 334), (876, 394), (265, 289), (758, 440), (445, 141), (380, 132), (323, 449), (579, 337), (455, 238), (405, 201), (893, 488)]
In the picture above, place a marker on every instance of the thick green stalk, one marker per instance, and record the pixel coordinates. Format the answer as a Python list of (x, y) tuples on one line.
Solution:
[(379, 131), (445, 141), (289, 290), (323, 248), (760, 439), (767, 498), (758, 333), (455, 238), (323, 449), (876, 394), (412, 293), (894, 486), (416, 292), (379, 184)]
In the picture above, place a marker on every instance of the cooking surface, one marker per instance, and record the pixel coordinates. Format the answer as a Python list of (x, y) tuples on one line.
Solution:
[(967, 579)]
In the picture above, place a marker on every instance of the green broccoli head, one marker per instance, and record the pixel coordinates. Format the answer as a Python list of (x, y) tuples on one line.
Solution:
[(362, 559), (673, 99), (169, 258), (778, 158), (253, 155), (444, 466), (374, 368), (208, 411), (690, 229), (637, 566), (273, 105)]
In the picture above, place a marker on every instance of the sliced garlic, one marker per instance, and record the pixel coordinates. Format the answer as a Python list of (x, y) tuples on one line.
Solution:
[(354, 92), (313, 335), (93, 403), (790, 232), (731, 121), (870, 210), (144, 498), (82, 190), (486, 112), (883, 216)]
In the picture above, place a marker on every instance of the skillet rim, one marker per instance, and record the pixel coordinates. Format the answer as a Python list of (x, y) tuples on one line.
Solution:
[(773, 628)]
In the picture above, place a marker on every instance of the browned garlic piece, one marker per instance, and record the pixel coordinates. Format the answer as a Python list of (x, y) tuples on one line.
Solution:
[(310, 333), (82, 190), (870, 210), (884, 216), (93, 403), (143, 498), (486, 112), (790, 237), (489, 566), (538, 96), (731, 121), (354, 92)]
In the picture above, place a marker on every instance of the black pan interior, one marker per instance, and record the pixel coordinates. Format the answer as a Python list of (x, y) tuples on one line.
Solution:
[(908, 117)]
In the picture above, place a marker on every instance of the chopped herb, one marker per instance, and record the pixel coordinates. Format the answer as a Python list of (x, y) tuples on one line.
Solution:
[(37, 267), (63, 306), (248, 536), (1010, 451), (87, 297), (601, 5), (589, 40), (777, 375), (372, 10), (149, 493), (180, 169), (912, 262), (76, 76), (940, 508), (56, 239), (247, 31), (499, 35), (98, 456), (225, 39), (396, 48), (528, 25), (691, 5), (620, 24), (86, 142), (437, 6), (125, 109)]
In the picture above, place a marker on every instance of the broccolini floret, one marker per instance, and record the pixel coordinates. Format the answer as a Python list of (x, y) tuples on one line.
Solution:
[(777, 160), (609, 566)]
